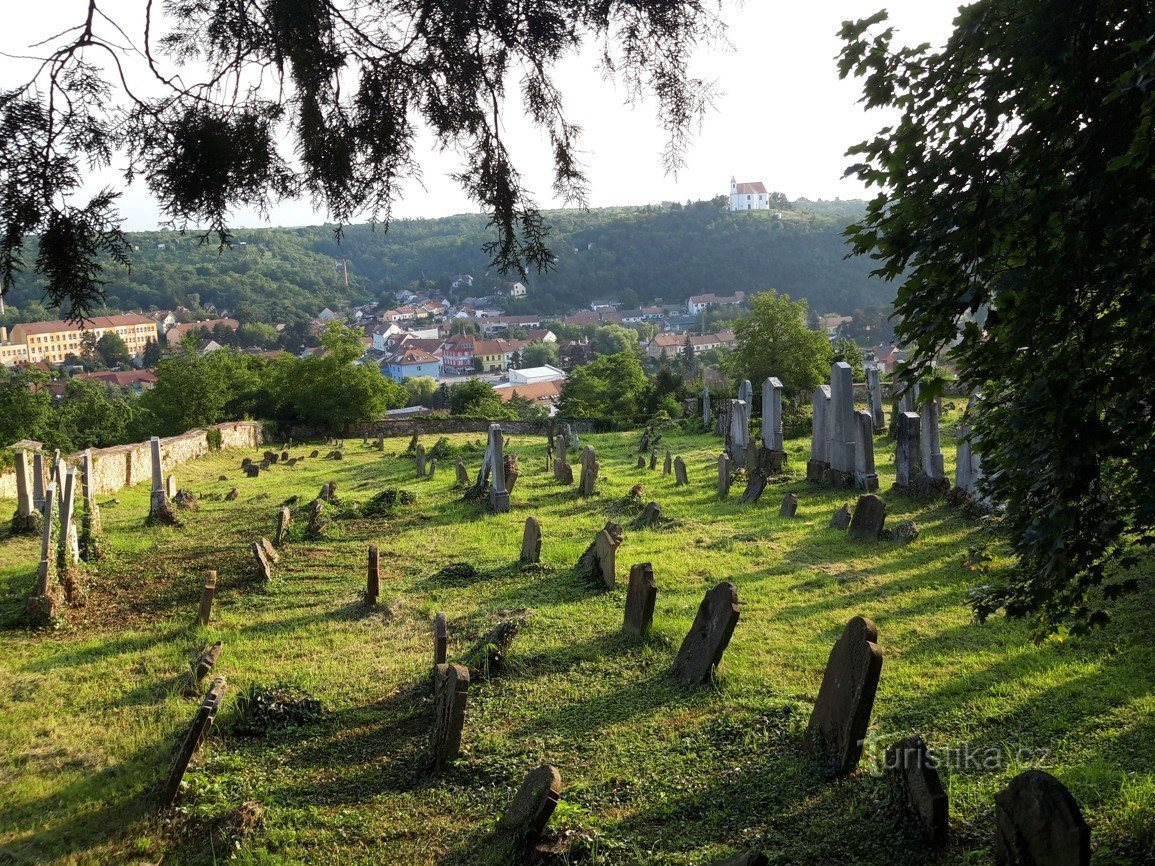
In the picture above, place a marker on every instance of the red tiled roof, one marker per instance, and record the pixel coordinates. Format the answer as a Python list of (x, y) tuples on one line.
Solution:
[(96, 322), (752, 188)]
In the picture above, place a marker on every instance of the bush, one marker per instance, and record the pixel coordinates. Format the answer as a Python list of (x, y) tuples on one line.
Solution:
[(261, 709), (214, 439), (384, 502)]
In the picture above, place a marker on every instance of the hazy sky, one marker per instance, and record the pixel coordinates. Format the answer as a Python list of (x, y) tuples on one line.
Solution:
[(783, 117)]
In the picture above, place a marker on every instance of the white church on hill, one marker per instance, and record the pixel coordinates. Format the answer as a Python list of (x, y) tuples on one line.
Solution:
[(748, 196)]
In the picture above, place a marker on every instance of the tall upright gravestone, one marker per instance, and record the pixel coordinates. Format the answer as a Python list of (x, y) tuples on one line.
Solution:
[(840, 426), (498, 495), (841, 715), (38, 484), (531, 541), (26, 520), (680, 477), (818, 463), (641, 595), (874, 395), (908, 451), (41, 605), (865, 477)]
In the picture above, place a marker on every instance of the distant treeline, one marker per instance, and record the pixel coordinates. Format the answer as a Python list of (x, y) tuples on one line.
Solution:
[(637, 254)]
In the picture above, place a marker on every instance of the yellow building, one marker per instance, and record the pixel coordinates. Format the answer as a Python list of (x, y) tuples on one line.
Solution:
[(491, 354), (53, 341)]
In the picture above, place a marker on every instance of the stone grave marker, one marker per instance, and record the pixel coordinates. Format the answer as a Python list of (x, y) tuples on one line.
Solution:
[(159, 509), (440, 639), (373, 576), (702, 648), (738, 434), (26, 519), (818, 463), (840, 425), (1037, 821), (512, 471), (789, 505), (723, 474), (449, 718), (264, 567), (531, 541), (233, 493), (526, 817), (841, 713), (270, 457), (680, 479), (641, 595), (314, 454), (706, 414), (651, 515), (600, 558), (495, 459), (170, 487), (315, 528), (432, 468), (874, 395), (208, 592), (202, 721), (865, 477), (869, 516), (667, 466), (284, 519), (420, 460), (914, 782), (589, 475), (208, 658), (641, 464), (38, 481), (270, 552), (252, 470), (41, 605), (462, 473), (930, 442), (653, 459), (841, 518), (69, 537), (908, 451)]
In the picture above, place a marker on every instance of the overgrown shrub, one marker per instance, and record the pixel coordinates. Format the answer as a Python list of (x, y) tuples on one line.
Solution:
[(213, 435), (384, 502), (264, 708)]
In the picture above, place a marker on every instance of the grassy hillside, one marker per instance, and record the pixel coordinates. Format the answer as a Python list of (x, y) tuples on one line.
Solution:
[(668, 252), (653, 772)]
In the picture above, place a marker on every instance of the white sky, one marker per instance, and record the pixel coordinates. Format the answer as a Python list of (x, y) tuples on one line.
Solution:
[(783, 116)]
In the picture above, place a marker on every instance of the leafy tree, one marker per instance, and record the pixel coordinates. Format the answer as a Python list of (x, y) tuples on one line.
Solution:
[(515, 360), (421, 390), (112, 350), (25, 407), (351, 88), (151, 354), (523, 407), (194, 391), (847, 350), (774, 341), (688, 362), (614, 340), (1035, 119), (540, 355), (612, 387), (94, 414), (88, 349), (477, 399)]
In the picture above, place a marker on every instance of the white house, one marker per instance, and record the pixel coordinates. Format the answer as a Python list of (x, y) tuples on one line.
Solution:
[(533, 375), (748, 196)]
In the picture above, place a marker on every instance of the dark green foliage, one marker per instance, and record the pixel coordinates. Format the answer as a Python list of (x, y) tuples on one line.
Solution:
[(774, 341), (261, 709), (476, 398), (383, 503), (1017, 215), (112, 350)]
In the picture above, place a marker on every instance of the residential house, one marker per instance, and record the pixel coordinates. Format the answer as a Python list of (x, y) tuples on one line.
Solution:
[(457, 353), (674, 344), (513, 290), (176, 333), (409, 363), (502, 324), (491, 354), (833, 324), (545, 393), (697, 303)]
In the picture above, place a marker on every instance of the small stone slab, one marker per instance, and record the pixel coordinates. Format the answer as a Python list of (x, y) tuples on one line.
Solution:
[(914, 782), (702, 649), (723, 474), (207, 660), (589, 476), (440, 639), (667, 465), (600, 558), (641, 595), (449, 718), (264, 567), (462, 473), (373, 576), (651, 515), (531, 541), (841, 518), (842, 711), (252, 470), (270, 551), (641, 464), (789, 506), (653, 460), (1037, 821), (525, 818), (284, 519), (202, 721), (680, 479), (869, 516), (232, 494), (562, 471), (208, 592)]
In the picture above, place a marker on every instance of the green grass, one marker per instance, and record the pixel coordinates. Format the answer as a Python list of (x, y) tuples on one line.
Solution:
[(652, 772)]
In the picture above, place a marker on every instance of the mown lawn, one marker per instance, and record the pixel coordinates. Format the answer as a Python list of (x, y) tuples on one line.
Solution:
[(652, 772)]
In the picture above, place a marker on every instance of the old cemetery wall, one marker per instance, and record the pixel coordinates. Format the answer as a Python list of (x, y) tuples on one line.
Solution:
[(447, 424), (125, 465)]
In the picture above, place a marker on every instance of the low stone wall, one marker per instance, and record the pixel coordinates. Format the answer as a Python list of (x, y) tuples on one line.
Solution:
[(443, 425), (125, 465)]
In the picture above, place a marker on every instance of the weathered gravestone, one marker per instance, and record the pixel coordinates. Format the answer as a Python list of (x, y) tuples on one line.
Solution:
[(495, 464), (600, 558), (702, 648), (373, 576), (908, 451), (38, 483), (252, 470), (440, 639), (641, 595), (449, 714), (512, 471), (526, 817), (208, 658), (315, 528), (314, 454), (91, 528), (41, 606), (531, 541), (841, 518), (819, 462), (284, 519), (590, 470), (208, 592), (26, 520), (706, 413), (667, 466), (840, 425), (232, 495), (680, 479), (865, 477), (651, 516), (914, 783), (432, 468), (270, 457), (641, 464), (462, 473), (869, 516), (264, 567), (789, 505), (420, 461), (738, 434), (69, 537), (723, 474), (874, 395), (202, 721), (653, 459), (841, 715), (562, 471), (270, 551), (170, 487), (1038, 823), (159, 510)]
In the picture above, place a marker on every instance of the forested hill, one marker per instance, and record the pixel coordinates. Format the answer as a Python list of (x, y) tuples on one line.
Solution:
[(668, 252)]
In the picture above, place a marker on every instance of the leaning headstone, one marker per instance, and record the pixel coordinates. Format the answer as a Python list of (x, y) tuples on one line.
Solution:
[(1037, 821), (817, 465), (233, 493), (874, 395), (702, 648), (680, 479), (908, 451), (373, 576), (420, 461), (841, 518), (315, 528), (667, 466), (449, 718), (202, 721), (841, 715), (531, 541), (723, 474), (208, 592), (869, 516), (600, 558), (208, 658), (641, 594), (264, 566), (562, 471), (440, 639), (512, 471), (284, 519), (789, 505), (526, 817), (42, 604), (651, 516), (865, 478), (914, 782)]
